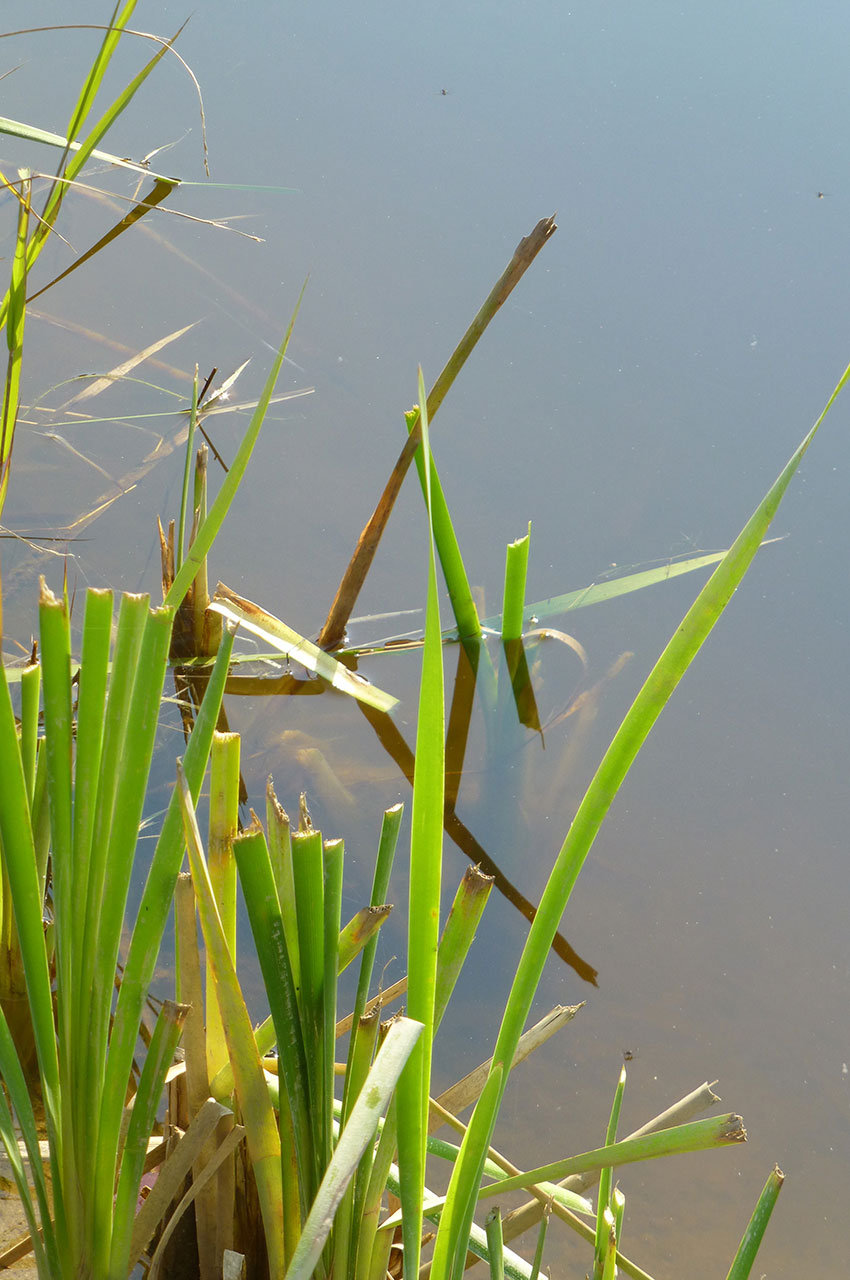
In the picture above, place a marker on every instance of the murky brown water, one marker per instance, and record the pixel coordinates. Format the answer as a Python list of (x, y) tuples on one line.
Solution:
[(634, 399)]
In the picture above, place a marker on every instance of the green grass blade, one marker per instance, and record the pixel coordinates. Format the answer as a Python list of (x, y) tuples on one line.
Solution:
[(180, 539), (516, 571), (657, 689), (209, 529), (333, 856), (15, 318), (357, 1134), (448, 548), (700, 1135), (751, 1242), (223, 828), (495, 1243), (458, 934), (426, 852), (280, 636), (539, 1247), (603, 1223), (255, 876)]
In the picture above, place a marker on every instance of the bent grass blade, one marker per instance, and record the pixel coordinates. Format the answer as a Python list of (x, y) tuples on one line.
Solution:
[(283, 638)]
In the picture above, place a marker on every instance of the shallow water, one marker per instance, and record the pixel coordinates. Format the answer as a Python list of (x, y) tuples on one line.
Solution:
[(634, 399)]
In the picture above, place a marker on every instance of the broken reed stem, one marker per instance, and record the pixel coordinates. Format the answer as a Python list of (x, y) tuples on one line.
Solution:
[(332, 633)]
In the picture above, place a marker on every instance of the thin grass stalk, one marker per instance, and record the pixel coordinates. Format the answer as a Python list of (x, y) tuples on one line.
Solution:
[(261, 1129), (380, 887), (426, 854), (537, 1261), (90, 86), (73, 161), (495, 1243), (206, 534), (180, 540), (15, 318), (308, 874), (30, 695), (223, 827), (606, 1248), (333, 856), (618, 1208), (513, 601), (150, 923), (604, 1203), (653, 696), (742, 1264)]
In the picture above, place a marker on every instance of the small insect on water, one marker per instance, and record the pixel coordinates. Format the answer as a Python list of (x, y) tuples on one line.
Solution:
[(821, 194), (629, 1055)]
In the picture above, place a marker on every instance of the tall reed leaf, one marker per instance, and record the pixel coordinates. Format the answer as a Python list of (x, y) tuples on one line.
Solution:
[(426, 852), (662, 680)]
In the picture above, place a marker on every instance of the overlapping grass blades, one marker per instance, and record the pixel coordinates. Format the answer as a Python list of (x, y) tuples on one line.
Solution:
[(688, 638), (84, 1062)]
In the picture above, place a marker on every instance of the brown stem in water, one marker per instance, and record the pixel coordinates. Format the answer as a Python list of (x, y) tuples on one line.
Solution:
[(332, 632)]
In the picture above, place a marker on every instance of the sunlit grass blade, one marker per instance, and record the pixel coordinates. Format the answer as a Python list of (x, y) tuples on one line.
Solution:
[(426, 854), (15, 318), (513, 602), (280, 636), (223, 827), (255, 875), (495, 1243), (207, 532), (31, 133), (604, 1218), (358, 1132), (702, 1135), (657, 689), (448, 548), (612, 588), (749, 1246), (526, 251)]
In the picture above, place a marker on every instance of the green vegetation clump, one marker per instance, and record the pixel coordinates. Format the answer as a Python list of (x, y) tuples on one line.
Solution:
[(292, 1160)]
